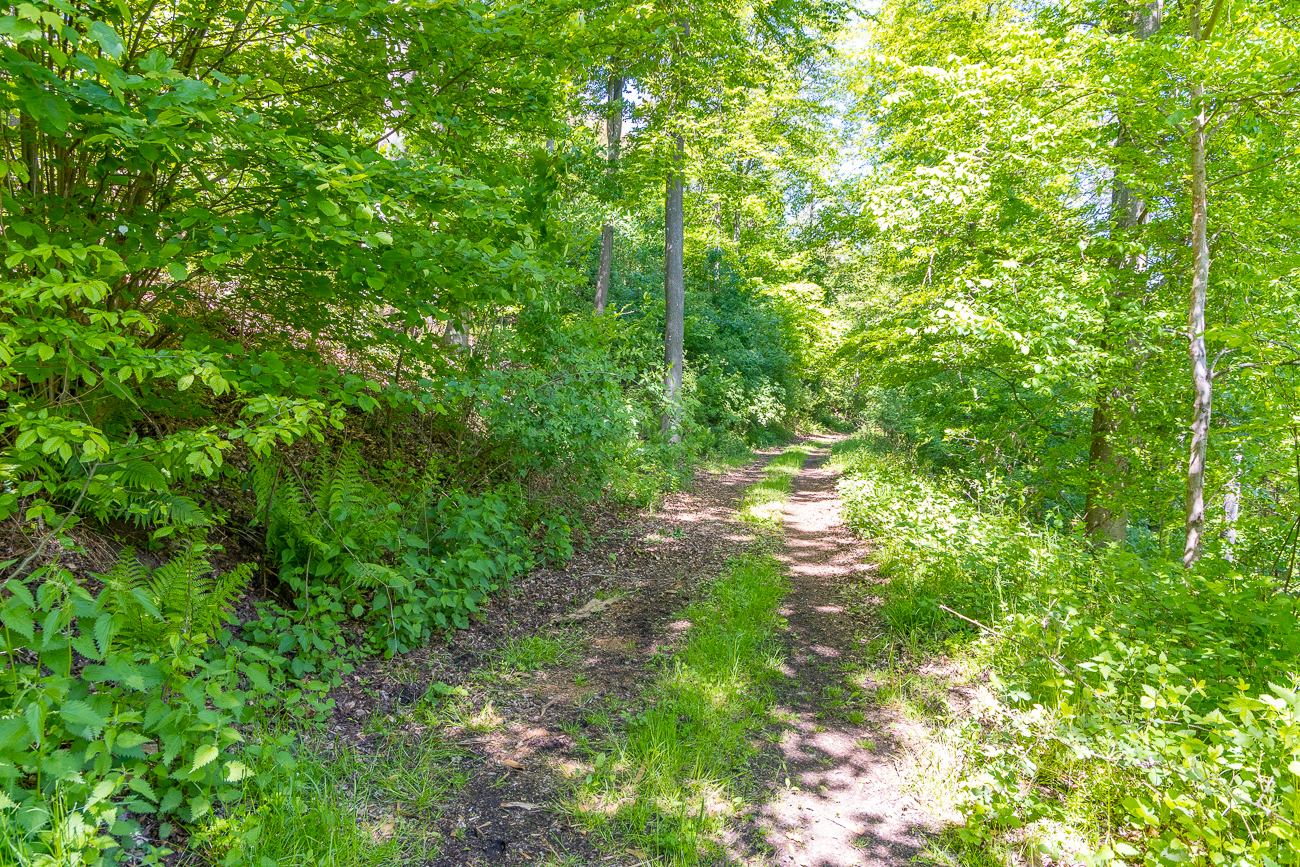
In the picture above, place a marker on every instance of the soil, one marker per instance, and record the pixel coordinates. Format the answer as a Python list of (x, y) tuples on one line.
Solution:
[(647, 566), (840, 799)]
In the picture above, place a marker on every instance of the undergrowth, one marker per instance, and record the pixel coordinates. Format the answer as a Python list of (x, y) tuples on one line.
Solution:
[(1143, 714)]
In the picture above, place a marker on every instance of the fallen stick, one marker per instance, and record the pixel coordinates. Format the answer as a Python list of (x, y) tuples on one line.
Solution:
[(993, 631)]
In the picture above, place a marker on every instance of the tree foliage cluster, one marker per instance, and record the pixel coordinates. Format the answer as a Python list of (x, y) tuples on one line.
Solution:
[(309, 282), (1072, 278)]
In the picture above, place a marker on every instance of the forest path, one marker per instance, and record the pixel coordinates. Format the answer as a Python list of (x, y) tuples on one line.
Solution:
[(527, 732), (839, 801)]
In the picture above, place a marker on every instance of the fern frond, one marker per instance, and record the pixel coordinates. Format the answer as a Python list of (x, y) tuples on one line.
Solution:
[(183, 511), (143, 476), (127, 596), (221, 594), (265, 480), (179, 588), (343, 486)]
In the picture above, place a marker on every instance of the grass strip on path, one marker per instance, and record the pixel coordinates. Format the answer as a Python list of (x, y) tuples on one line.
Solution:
[(765, 501), (668, 784)]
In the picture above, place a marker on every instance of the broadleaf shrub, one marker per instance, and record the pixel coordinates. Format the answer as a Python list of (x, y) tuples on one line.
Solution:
[(122, 704)]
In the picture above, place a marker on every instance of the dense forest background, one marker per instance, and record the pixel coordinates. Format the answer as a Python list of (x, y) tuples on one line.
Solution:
[(339, 315)]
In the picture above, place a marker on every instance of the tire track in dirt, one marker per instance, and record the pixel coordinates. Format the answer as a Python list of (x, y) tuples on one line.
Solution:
[(844, 804), (660, 561)]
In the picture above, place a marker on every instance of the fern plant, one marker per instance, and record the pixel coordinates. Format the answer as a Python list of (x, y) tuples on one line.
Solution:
[(183, 597)]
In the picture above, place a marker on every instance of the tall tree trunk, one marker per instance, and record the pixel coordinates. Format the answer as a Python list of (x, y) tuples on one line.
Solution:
[(606, 266), (613, 137), (1105, 517), (674, 291), (1202, 387)]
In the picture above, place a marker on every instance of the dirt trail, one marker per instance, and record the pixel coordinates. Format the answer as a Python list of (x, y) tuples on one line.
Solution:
[(844, 805), (653, 565)]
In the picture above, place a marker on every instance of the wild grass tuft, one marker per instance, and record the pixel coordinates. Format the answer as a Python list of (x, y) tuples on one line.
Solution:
[(338, 807), (531, 652)]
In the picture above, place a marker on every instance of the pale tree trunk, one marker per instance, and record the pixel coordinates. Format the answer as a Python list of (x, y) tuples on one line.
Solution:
[(613, 138), (1202, 387), (454, 337), (1105, 517), (1231, 511), (674, 292)]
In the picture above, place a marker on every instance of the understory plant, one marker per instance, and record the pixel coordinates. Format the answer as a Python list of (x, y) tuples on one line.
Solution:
[(122, 704), (1150, 710)]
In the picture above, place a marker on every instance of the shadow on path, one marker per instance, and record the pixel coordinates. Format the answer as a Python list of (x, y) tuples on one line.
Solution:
[(843, 804)]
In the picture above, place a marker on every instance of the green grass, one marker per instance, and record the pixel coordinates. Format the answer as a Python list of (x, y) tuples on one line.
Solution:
[(532, 652), (725, 462), (764, 502), (668, 783), (1105, 665), (333, 806)]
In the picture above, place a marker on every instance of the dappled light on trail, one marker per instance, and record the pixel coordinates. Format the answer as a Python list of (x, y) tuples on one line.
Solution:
[(840, 801)]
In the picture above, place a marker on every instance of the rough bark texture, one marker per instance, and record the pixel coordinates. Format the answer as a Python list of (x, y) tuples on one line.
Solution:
[(606, 266), (1196, 351), (613, 137), (674, 291), (1104, 521)]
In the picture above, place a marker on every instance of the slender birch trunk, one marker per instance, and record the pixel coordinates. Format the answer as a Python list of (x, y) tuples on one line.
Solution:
[(1202, 387)]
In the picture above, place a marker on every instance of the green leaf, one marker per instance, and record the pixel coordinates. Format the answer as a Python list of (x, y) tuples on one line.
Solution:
[(138, 784), (171, 800), (130, 739), (204, 756), (107, 38), (81, 718), (19, 620), (199, 808), (178, 271)]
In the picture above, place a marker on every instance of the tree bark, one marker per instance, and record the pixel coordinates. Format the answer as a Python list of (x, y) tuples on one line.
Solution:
[(674, 292), (1105, 517), (1231, 511), (1202, 386), (1105, 520), (606, 267), (613, 138)]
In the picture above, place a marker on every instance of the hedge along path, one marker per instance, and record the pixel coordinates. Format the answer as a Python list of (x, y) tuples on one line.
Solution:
[(840, 800)]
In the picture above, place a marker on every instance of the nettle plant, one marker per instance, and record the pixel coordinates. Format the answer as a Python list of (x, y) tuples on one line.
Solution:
[(121, 704)]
